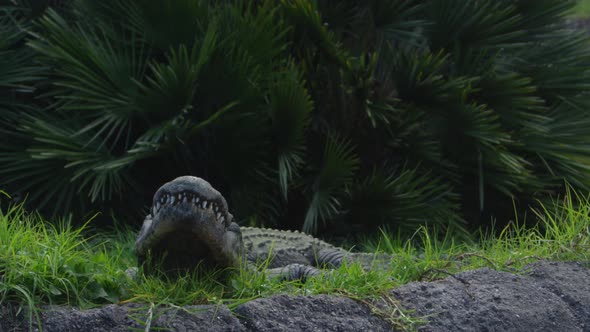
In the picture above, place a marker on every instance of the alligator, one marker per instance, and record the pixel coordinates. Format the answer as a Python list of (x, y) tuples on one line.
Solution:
[(189, 226)]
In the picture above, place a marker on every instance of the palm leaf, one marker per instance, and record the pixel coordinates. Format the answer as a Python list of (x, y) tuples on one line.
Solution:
[(558, 64), (310, 29), (290, 109), (541, 16), (17, 69), (94, 77), (170, 88), (339, 163), (563, 151), (458, 25), (422, 77), (402, 198)]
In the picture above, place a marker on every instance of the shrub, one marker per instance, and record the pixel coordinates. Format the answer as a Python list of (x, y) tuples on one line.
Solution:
[(330, 116)]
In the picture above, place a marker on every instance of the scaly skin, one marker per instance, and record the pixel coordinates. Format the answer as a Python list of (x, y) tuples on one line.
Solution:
[(190, 225)]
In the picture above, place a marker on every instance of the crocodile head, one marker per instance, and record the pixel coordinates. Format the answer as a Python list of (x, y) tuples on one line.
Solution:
[(188, 224)]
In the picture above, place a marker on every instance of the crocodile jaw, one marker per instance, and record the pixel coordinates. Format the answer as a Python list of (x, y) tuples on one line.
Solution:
[(189, 224)]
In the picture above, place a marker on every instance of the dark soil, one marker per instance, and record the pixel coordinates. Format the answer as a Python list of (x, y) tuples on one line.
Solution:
[(545, 296)]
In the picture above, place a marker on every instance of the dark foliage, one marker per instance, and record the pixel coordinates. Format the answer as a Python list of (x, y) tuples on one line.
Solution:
[(330, 116)]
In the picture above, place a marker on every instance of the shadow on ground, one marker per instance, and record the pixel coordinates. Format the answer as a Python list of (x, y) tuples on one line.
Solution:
[(545, 296)]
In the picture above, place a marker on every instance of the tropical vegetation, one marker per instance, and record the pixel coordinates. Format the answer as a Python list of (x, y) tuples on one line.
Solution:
[(334, 117)]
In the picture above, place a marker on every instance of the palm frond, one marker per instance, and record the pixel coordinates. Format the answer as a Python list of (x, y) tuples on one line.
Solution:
[(458, 25), (310, 29), (563, 151), (16, 67), (59, 166), (542, 16), (422, 77), (402, 198), (513, 96), (398, 20), (112, 16), (558, 65), (170, 87), (339, 164), (94, 77), (290, 110), (258, 30)]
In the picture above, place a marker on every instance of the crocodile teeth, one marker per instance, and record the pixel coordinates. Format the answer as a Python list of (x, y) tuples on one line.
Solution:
[(184, 199), (157, 207), (204, 204), (222, 219), (197, 199), (172, 198), (216, 208), (218, 215)]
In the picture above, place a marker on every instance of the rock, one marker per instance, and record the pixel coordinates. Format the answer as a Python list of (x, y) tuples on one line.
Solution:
[(198, 318), (122, 318), (308, 313), (108, 318), (13, 318), (570, 282), (488, 300)]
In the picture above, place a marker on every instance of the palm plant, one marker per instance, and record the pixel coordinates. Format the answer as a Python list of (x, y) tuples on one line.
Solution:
[(124, 102), (18, 73), (327, 116), (453, 92)]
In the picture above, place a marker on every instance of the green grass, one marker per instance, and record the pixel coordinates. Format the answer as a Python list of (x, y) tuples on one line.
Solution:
[(45, 264), (582, 9)]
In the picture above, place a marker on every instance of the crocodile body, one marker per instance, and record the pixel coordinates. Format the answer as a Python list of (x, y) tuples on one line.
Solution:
[(189, 225)]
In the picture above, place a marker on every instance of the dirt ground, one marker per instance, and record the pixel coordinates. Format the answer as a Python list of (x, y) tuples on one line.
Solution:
[(544, 296)]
